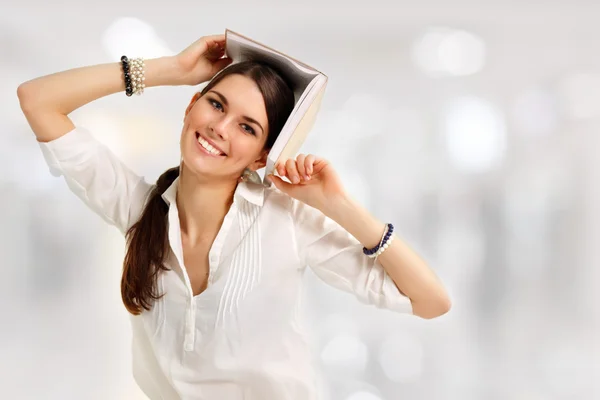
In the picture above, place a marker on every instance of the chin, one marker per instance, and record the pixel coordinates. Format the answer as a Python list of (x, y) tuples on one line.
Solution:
[(202, 166)]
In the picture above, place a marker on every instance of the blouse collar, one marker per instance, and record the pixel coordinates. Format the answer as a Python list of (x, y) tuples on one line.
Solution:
[(252, 192)]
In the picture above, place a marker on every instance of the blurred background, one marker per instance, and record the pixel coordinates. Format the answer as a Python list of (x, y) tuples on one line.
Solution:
[(472, 125)]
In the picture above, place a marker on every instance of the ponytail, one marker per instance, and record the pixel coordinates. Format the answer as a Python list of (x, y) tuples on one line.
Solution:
[(147, 245)]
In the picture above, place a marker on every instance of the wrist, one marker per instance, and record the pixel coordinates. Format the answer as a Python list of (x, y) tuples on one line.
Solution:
[(357, 220), (163, 71)]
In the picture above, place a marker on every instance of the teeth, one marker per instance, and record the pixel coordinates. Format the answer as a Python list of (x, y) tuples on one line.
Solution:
[(208, 147)]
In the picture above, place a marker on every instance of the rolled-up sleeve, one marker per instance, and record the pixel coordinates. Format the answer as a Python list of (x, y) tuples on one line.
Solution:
[(336, 257), (97, 176)]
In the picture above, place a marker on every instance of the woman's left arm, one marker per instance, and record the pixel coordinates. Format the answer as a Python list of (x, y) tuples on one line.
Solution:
[(315, 183), (409, 272)]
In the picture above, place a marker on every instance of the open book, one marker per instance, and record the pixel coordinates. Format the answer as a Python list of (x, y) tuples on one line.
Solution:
[(308, 85)]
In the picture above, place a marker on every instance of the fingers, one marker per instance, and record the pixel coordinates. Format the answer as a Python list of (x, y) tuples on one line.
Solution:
[(209, 43), (280, 167), (287, 169), (301, 167), (305, 164), (292, 171), (309, 161), (215, 50), (215, 45), (298, 170), (214, 39)]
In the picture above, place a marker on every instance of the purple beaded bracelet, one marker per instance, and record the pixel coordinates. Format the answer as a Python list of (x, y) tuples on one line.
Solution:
[(390, 230)]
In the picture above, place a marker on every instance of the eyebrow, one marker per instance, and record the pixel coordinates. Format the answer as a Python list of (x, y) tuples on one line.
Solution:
[(224, 100)]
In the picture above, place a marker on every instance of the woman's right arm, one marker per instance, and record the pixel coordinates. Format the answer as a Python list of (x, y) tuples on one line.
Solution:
[(46, 101), (91, 170)]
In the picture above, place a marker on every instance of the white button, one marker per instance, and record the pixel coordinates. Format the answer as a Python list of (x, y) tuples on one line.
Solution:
[(189, 344)]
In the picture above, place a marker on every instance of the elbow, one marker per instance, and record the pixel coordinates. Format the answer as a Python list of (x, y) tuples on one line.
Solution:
[(22, 91), (443, 307), (24, 97), (433, 308), (29, 97)]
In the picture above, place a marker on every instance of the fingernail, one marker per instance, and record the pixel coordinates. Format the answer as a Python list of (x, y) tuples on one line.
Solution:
[(307, 177), (295, 179)]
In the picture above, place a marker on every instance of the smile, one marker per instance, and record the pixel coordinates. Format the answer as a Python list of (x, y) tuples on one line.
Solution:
[(207, 148)]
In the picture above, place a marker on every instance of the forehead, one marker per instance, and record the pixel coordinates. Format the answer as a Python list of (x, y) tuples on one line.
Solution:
[(243, 96)]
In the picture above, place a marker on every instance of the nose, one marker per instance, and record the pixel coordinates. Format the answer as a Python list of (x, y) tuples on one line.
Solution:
[(219, 127)]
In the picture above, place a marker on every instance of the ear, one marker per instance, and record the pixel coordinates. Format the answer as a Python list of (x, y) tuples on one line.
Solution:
[(260, 162), (192, 102)]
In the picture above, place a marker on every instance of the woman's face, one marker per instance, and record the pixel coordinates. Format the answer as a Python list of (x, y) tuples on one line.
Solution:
[(224, 130)]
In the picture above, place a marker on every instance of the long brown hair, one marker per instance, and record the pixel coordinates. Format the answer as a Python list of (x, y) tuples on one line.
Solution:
[(147, 239)]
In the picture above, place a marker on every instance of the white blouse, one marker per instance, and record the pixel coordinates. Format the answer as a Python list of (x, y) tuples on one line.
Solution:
[(242, 338)]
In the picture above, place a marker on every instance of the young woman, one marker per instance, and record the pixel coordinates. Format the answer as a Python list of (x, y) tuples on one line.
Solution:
[(212, 274)]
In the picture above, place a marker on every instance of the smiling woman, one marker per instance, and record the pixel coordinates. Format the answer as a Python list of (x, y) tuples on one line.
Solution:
[(212, 276), (220, 132), (224, 127)]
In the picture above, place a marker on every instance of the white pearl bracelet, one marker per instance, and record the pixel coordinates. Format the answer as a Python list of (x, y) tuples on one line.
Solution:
[(137, 68), (382, 248)]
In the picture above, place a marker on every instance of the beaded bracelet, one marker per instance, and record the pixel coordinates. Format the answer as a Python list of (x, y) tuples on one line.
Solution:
[(383, 243), (128, 87), (134, 75), (383, 248), (137, 75)]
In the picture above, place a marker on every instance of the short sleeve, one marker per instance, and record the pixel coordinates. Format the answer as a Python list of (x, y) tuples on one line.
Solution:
[(98, 177), (336, 257)]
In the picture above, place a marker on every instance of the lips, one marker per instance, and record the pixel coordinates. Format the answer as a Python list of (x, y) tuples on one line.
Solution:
[(211, 143)]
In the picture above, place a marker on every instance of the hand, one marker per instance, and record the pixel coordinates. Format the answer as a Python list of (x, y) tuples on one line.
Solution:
[(202, 60), (314, 181)]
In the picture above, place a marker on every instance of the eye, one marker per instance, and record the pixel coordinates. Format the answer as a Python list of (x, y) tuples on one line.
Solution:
[(249, 130), (216, 104)]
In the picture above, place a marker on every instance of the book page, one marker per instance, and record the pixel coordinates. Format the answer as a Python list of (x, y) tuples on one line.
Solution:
[(298, 75), (290, 147), (298, 112), (247, 42)]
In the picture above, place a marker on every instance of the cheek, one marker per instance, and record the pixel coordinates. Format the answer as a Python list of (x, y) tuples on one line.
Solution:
[(199, 114), (245, 148)]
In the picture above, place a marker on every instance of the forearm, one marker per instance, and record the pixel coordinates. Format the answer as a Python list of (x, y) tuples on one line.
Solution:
[(46, 101), (63, 92), (409, 272)]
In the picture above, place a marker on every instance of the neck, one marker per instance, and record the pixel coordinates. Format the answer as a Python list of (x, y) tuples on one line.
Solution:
[(202, 206)]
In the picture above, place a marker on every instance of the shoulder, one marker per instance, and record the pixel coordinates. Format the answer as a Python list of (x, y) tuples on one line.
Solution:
[(272, 194), (276, 199)]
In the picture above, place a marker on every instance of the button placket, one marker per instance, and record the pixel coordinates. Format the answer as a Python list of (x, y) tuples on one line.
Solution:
[(190, 326)]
